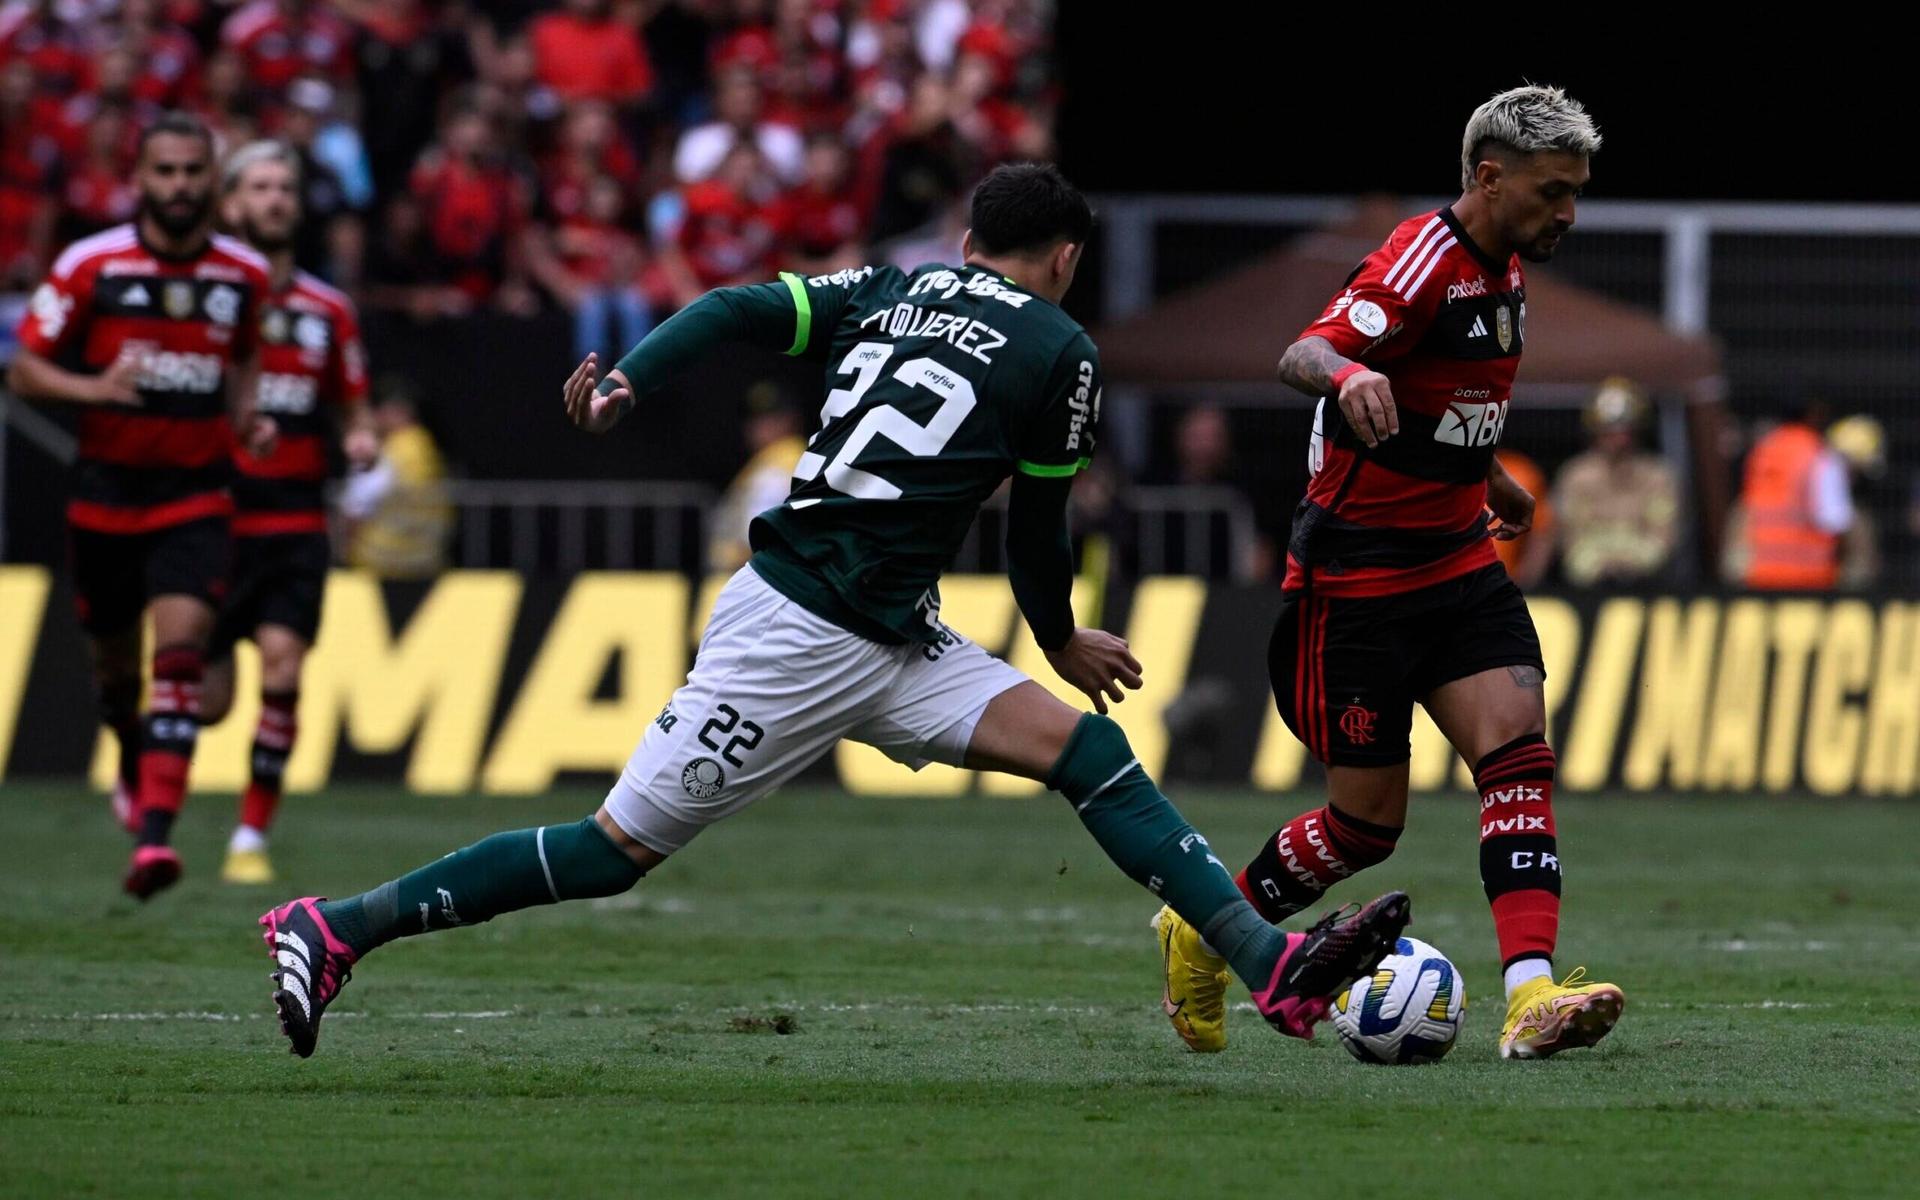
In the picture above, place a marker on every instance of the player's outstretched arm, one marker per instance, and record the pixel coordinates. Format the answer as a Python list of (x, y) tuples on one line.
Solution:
[(1312, 366), (1040, 570), (35, 377)]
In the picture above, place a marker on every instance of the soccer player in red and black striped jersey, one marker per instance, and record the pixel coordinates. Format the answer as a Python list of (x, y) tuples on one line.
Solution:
[(313, 383), (149, 329), (1393, 595)]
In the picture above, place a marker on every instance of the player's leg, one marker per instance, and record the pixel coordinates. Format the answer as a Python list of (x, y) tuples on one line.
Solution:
[(1337, 672), (109, 594), (186, 572), (116, 684), (1491, 706), (283, 652), (957, 704), (756, 709)]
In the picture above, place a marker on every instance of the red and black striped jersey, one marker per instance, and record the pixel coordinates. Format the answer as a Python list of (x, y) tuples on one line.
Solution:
[(165, 461), (1445, 324), (313, 372)]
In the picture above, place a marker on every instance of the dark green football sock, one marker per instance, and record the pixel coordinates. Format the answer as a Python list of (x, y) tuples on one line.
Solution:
[(1146, 837), (500, 874)]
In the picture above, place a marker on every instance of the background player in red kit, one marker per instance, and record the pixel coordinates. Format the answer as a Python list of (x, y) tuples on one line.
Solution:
[(150, 329), (1393, 594), (313, 383)]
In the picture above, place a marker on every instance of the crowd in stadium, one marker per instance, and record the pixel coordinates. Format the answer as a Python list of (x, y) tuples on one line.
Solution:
[(613, 157)]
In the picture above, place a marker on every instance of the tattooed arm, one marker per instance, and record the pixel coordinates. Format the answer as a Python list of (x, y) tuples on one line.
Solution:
[(1365, 397)]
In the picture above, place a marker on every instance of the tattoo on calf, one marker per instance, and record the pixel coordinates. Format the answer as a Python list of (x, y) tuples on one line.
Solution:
[(1526, 677)]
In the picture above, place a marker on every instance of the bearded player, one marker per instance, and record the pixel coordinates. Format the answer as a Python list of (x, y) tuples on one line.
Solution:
[(1393, 595)]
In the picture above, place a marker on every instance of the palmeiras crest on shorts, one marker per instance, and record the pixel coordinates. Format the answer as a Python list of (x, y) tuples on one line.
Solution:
[(1357, 724), (703, 779)]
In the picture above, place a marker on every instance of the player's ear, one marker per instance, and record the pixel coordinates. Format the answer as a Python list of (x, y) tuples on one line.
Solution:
[(1064, 259), (966, 245)]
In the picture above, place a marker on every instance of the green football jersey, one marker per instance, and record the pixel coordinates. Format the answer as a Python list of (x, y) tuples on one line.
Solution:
[(942, 382)]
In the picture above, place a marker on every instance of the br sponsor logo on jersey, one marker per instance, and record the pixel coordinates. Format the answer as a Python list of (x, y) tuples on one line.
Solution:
[(173, 370), (1471, 425), (287, 395)]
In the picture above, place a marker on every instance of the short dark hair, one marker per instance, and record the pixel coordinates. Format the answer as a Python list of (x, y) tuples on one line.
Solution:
[(1022, 207), (180, 124)]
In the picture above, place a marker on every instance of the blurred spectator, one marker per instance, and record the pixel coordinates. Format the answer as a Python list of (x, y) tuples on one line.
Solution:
[(774, 445), (33, 32), (592, 266), (821, 220), (114, 70), (399, 270), (281, 40), (326, 146), (99, 189), (1861, 442), (590, 148), (475, 208), (29, 176), (1618, 507), (587, 52), (398, 513), (1528, 556), (167, 60), (723, 233), (738, 105), (226, 103), (1203, 457), (1794, 508), (410, 55), (927, 163)]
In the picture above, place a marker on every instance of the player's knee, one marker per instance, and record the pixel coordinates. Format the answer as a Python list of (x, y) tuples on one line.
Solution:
[(1523, 756), (643, 857), (1097, 756)]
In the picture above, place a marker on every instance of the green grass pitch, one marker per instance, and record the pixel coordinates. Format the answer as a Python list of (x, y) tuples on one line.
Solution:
[(969, 1000)]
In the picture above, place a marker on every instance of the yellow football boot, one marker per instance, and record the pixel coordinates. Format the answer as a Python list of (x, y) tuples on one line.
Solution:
[(1545, 1017), (247, 866), (1195, 999)]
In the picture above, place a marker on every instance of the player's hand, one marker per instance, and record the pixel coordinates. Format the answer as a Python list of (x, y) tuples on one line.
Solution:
[(1511, 503), (362, 448), (1097, 663), (118, 383), (1366, 400), (586, 407), (260, 436)]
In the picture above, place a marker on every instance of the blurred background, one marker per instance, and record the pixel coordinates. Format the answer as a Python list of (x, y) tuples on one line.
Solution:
[(503, 187)]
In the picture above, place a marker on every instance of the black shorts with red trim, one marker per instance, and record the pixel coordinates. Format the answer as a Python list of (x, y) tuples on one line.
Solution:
[(115, 575), (1347, 670), (278, 579)]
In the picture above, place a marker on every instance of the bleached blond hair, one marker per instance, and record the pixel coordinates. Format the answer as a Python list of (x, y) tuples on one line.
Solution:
[(264, 150), (1529, 120)]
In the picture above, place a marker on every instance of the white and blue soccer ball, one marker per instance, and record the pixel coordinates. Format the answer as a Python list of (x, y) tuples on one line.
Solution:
[(1408, 1012)]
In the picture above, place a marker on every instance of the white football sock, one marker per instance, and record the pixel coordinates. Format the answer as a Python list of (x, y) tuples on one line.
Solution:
[(246, 838), (1526, 971)]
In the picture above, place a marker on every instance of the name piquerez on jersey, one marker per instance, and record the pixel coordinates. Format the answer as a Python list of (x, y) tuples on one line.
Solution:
[(903, 320)]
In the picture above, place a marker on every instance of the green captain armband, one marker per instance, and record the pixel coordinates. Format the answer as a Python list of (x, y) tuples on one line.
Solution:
[(802, 313), (1051, 471)]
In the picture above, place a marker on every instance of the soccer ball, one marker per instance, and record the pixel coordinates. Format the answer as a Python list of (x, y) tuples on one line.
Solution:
[(1408, 1012)]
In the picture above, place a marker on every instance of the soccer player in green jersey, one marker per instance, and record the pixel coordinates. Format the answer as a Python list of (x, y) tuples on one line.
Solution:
[(940, 383)]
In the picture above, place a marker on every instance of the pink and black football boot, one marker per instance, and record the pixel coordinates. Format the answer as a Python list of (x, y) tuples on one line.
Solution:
[(1340, 948), (311, 966)]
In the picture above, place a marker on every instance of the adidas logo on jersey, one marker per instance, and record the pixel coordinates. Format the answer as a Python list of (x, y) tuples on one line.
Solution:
[(136, 296), (1472, 424), (1479, 328)]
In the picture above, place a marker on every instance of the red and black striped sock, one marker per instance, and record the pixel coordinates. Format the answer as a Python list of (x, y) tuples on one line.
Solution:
[(272, 746), (1308, 855), (172, 728), (1519, 856)]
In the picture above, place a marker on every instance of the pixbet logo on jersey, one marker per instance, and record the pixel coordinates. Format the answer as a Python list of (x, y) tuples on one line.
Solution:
[(1460, 291)]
